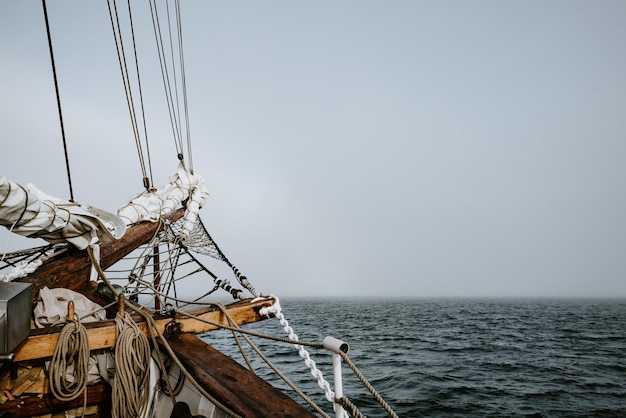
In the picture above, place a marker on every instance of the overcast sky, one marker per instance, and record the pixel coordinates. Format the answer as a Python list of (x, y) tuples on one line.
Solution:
[(379, 148)]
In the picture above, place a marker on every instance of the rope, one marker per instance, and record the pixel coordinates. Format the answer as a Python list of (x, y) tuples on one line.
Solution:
[(236, 337), (350, 408), (199, 242), (121, 57), (184, 82), (369, 387), (132, 359), (165, 77), (56, 88), (171, 51), (140, 90), (322, 383), (71, 351)]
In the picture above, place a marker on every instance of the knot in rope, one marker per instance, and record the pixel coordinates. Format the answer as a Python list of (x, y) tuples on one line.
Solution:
[(69, 366), (132, 360)]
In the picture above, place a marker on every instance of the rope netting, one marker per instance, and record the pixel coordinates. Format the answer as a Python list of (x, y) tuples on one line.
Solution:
[(165, 268), (199, 240)]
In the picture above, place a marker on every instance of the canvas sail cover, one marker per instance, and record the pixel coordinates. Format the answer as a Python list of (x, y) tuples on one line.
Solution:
[(30, 212), (184, 189)]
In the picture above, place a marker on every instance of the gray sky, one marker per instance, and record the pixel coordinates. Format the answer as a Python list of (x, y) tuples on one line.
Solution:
[(396, 148)]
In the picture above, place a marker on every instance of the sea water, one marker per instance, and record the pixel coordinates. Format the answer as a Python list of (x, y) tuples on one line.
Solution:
[(459, 357)]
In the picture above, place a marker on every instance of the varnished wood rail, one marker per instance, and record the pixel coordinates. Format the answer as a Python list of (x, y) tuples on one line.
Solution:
[(102, 334)]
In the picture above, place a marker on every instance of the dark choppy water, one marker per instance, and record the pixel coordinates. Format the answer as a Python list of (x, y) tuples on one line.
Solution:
[(463, 358)]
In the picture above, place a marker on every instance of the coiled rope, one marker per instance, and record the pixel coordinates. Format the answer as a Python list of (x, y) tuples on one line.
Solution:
[(131, 385), (70, 354)]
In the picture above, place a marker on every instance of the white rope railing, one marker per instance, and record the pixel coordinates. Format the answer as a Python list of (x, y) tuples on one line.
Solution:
[(276, 310)]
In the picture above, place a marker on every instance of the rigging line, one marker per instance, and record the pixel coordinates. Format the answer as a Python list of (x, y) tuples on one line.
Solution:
[(177, 101), (131, 103), (119, 47), (125, 81), (143, 113), (346, 359), (183, 88), (56, 88), (164, 72), (184, 83)]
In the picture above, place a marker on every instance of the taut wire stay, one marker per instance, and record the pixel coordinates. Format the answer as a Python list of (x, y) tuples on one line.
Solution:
[(58, 96), (172, 78), (121, 55)]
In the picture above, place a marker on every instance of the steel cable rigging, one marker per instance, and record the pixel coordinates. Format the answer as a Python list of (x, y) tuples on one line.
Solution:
[(170, 84), (56, 88), (170, 81)]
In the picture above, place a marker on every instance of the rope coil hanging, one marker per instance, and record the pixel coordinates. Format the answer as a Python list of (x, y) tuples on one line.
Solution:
[(70, 354), (131, 385)]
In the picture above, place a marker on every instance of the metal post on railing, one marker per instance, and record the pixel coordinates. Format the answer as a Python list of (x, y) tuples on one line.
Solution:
[(336, 346)]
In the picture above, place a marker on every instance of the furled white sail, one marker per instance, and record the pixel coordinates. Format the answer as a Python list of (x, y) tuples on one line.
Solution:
[(30, 212), (184, 188)]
